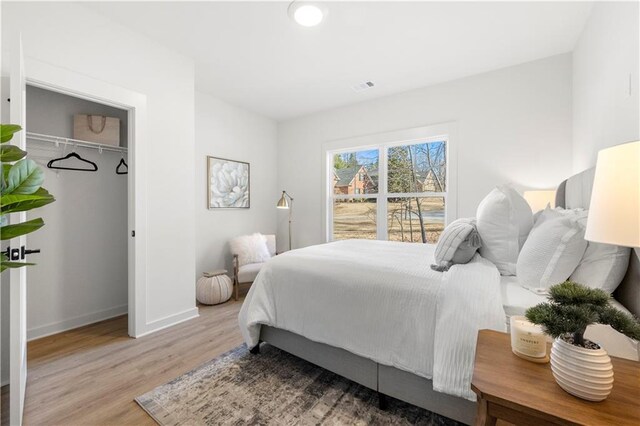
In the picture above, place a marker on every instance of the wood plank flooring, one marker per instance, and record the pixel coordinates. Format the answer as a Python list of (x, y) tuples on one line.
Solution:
[(90, 375)]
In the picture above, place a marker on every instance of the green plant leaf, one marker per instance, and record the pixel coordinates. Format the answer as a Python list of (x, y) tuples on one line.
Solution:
[(10, 153), (25, 177), (5, 265), (7, 131), (11, 203), (18, 229), (571, 293), (20, 188), (5, 174)]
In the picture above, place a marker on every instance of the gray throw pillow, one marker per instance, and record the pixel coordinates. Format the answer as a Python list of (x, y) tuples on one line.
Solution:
[(458, 244)]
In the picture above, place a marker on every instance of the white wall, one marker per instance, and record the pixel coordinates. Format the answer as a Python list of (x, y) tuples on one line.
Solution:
[(514, 125), (605, 62), (71, 36), (606, 82), (229, 132)]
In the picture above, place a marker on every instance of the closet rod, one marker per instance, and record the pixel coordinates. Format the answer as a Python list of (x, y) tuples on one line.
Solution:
[(57, 140)]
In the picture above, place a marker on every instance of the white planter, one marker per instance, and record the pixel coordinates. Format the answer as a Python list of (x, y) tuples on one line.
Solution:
[(585, 373)]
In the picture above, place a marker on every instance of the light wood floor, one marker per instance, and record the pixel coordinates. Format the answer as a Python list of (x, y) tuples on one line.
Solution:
[(90, 375)]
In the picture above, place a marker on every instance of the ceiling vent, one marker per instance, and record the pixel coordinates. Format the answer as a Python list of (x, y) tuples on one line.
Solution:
[(361, 87)]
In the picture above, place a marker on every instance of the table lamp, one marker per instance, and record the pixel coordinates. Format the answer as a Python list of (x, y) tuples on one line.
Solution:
[(614, 212)]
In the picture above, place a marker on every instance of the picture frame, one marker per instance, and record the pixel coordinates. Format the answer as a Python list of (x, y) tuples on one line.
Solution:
[(228, 184)]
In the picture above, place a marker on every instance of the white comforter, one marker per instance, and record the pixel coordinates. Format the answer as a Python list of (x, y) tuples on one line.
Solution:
[(382, 301)]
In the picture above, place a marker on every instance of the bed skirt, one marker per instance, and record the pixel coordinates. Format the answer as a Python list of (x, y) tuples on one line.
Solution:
[(387, 380)]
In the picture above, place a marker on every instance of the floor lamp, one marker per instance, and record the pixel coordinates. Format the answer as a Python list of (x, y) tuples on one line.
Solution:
[(286, 202)]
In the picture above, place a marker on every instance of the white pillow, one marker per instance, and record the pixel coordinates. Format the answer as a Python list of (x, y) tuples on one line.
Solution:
[(250, 249), (553, 250), (457, 244), (603, 266), (504, 220)]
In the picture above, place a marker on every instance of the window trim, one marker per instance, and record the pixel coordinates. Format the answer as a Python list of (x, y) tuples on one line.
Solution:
[(383, 141)]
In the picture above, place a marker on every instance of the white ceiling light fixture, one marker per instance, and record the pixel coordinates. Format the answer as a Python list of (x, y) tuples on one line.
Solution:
[(307, 14)]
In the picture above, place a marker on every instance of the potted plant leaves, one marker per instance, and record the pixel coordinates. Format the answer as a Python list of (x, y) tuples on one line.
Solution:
[(580, 367), (21, 190)]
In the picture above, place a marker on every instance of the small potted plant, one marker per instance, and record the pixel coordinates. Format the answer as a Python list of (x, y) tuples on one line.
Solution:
[(580, 366)]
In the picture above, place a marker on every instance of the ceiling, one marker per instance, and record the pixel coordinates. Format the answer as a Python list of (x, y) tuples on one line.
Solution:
[(252, 55)]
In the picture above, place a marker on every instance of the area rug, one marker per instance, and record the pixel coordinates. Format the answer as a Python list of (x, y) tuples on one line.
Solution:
[(273, 388)]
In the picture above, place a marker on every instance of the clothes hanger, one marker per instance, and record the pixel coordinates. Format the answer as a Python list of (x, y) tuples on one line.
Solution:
[(94, 166), (120, 164)]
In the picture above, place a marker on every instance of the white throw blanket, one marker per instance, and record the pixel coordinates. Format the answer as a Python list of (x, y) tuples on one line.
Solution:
[(382, 301)]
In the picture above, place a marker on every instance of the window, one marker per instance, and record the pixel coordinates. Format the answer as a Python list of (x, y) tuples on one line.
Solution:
[(393, 191), (355, 219), (354, 212)]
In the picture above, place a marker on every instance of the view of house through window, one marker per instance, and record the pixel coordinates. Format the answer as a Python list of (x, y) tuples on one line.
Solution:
[(404, 186)]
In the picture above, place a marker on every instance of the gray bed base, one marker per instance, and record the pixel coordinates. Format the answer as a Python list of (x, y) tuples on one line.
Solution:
[(385, 380)]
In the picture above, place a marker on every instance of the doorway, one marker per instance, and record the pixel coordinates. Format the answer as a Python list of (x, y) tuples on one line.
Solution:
[(44, 77), (81, 275)]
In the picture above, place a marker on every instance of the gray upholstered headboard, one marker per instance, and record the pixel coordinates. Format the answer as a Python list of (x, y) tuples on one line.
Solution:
[(575, 192)]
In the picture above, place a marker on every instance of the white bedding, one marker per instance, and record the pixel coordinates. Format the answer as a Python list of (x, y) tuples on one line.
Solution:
[(381, 300), (517, 299)]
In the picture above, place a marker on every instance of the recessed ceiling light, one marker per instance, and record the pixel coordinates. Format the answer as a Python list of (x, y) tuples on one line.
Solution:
[(307, 14)]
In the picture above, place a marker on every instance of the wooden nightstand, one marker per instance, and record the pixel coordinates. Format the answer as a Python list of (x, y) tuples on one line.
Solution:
[(524, 393)]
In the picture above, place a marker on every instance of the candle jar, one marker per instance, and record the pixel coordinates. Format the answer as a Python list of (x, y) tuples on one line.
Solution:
[(528, 341)]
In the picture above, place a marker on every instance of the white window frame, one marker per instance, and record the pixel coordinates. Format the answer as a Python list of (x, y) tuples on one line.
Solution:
[(382, 142)]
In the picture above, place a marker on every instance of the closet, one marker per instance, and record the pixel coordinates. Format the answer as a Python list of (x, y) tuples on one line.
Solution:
[(81, 275)]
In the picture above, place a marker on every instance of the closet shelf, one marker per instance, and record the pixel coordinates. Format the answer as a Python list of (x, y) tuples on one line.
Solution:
[(58, 140)]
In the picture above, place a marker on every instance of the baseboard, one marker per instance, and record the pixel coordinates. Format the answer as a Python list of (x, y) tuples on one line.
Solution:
[(71, 323), (169, 321)]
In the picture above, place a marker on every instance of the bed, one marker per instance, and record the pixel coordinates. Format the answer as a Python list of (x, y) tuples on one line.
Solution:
[(331, 305)]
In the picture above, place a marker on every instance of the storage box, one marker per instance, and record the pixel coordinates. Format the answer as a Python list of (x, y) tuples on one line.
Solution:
[(97, 129)]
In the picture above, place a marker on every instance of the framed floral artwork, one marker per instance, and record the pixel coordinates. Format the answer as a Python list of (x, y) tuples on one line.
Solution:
[(228, 184)]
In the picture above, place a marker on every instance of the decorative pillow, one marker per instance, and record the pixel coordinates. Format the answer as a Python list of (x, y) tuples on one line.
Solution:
[(457, 244), (271, 244), (250, 249), (603, 266), (553, 250), (504, 220), (537, 214)]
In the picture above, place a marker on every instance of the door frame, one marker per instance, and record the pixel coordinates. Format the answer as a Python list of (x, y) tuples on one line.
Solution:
[(50, 77), (17, 276)]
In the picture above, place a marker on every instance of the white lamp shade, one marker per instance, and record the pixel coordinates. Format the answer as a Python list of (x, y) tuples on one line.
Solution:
[(539, 199), (614, 212)]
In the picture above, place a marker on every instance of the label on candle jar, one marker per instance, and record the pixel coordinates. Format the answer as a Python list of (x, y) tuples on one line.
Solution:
[(527, 338)]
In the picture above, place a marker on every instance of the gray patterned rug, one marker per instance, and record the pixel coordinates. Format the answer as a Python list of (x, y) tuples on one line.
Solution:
[(273, 388)]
